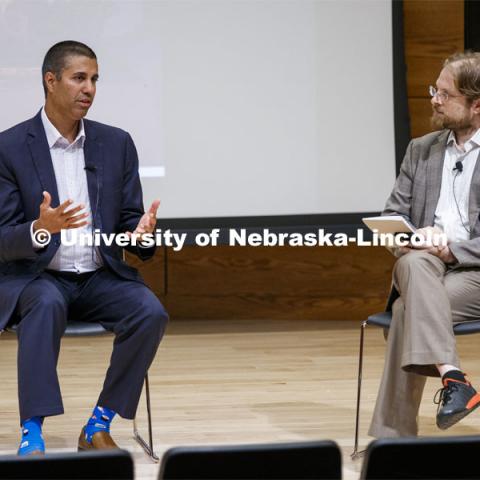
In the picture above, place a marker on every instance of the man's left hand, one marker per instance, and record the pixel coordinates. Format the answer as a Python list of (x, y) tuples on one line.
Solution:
[(444, 253), (148, 221)]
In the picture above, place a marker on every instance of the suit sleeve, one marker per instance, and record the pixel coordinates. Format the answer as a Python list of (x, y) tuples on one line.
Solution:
[(15, 238), (467, 252), (132, 199), (400, 200)]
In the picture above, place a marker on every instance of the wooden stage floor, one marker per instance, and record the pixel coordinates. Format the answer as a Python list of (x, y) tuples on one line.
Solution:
[(216, 382)]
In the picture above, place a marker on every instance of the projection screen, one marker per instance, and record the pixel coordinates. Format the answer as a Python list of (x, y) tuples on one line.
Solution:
[(237, 107)]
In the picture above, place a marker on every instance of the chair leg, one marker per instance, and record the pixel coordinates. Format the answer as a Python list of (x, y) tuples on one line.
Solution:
[(147, 447), (355, 454)]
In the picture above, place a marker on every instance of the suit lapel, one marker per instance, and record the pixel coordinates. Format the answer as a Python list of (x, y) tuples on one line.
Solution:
[(474, 196), (38, 145), (434, 177), (93, 151)]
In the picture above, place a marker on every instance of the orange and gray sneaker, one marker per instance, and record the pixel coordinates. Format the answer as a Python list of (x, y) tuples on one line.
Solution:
[(455, 400)]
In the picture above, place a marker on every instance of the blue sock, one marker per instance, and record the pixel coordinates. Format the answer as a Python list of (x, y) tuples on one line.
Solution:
[(98, 422), (32, 438)]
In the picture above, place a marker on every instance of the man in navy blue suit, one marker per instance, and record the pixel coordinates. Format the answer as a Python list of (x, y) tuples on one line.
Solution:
[(59, 175)]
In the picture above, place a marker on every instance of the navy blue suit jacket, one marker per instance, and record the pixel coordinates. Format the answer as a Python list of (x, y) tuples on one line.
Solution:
[(26, 170)]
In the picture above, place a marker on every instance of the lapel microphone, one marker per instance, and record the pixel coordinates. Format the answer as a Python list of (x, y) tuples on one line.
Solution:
[(458, 167), (93, 168)]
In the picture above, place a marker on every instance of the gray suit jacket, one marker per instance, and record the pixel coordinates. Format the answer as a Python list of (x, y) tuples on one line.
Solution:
[(417, 190)]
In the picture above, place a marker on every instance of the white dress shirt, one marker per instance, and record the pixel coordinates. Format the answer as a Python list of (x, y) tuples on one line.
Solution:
[(71, 177), (451, 214)]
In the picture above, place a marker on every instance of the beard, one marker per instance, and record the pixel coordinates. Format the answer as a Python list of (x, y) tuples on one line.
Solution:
[(441, 121)]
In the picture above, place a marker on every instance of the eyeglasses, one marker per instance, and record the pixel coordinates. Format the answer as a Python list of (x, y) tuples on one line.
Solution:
[(443, 96)]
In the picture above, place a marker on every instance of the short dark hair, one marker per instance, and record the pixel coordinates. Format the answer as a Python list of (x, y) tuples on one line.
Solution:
[(56, 58)]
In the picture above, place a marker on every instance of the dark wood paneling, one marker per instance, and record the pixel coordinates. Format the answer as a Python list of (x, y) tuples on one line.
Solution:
[(335, 283), (420, 114), (434, 30)]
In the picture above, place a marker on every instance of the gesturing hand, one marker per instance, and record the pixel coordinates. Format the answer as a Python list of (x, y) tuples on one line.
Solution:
[(148, 221), (55, 219)]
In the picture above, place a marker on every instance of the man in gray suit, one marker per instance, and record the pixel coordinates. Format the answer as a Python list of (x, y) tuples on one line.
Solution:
[(438, 189)]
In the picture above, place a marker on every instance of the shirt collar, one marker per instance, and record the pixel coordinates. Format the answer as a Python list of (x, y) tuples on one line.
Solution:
[(53, 135), (474, 141)]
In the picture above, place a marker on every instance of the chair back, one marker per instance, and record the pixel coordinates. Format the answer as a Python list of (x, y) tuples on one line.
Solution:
[(408, 458), (303, 460), (107, 464)]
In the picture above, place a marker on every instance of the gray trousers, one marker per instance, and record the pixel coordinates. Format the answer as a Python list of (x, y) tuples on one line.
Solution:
[(432, 298)]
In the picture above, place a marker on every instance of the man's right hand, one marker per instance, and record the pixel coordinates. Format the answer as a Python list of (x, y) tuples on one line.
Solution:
[(433, 234), (55, 219)]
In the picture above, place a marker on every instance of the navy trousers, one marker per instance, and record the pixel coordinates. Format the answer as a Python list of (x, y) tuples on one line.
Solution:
[(129, 309)]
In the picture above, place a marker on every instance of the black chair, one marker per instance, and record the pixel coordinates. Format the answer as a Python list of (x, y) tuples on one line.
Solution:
[(383, 320), (440, 458), (302, 460), (108, 464), (82, 329)]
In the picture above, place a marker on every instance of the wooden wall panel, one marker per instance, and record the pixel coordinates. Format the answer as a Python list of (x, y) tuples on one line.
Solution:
[(334, 283), (434, 29), (420, 114)]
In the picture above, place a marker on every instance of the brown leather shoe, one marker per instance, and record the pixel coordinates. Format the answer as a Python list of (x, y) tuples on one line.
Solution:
[(100, 441)]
